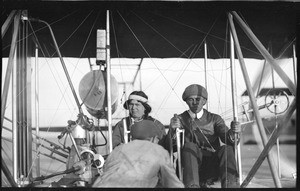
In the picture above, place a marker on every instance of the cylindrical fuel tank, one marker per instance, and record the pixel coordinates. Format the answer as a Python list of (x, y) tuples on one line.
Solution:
[(92, 91)]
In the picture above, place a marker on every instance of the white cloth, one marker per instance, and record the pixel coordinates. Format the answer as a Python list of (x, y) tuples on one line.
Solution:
[(194, 115), (139, 163)]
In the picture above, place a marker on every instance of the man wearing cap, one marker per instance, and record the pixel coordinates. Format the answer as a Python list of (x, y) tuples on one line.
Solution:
[(203, 157), (139, 110), (139, 163)]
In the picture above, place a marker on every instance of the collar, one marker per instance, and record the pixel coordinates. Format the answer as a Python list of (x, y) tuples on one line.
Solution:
[(195, 115), (133, 121)]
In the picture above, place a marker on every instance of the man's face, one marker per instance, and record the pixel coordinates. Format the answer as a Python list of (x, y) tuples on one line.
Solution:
[(195, 103), (136, 109)]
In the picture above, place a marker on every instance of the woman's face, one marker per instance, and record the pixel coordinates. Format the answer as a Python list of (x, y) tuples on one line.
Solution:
[(136, 109)]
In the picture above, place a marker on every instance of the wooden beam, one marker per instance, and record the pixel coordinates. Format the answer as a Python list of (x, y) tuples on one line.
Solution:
[(7, 23), (7, 173), (9, 65), (287, 116), (265, 54), (253, 102)]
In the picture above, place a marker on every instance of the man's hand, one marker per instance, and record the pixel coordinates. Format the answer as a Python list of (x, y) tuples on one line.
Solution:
[(236, 127), (175, 122)]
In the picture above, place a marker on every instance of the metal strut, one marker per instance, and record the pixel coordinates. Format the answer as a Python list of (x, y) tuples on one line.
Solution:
[(179, 146), (62, 63), (253, 102)]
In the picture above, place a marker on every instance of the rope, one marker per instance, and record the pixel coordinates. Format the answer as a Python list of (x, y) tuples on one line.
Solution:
[(73, 32), (182, 53), (146, 51), (173, 86), (63, 97), (117, 46), (211, 35)]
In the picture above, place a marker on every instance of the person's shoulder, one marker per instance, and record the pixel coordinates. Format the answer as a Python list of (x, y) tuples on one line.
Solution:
[(119, 147), (120, 123), (159, 149), (156, 121), (206, 112), (185, 115), (150, 118), (162, 152), (213, 115), (146, 144)]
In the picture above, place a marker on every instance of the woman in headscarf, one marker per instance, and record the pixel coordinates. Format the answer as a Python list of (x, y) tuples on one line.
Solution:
[(139, 110)]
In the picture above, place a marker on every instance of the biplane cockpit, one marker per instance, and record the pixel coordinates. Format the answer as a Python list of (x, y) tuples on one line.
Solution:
[(80, 147)]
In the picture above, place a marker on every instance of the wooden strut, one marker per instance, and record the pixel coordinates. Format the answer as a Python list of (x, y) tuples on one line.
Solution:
[(179, 146), (8, 21), (62, 63), (9, 66), (7, 173), (205, 68), (237, 146), (126, 132), (271, 142), (276, 126), (254, 104), (266, 54), (108, 69), (9, 71), (37, 113), (138, 72)]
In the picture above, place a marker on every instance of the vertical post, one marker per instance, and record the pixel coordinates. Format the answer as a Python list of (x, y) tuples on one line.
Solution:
[(126, 132), (234, 106), (24, 117), (124, 119), (125, 96), (37, 125), (286, 117), (276, 124), (15, 156), (179, 147), (253, 102), (140, 72), (294, 64), (29, 51), (205, 64), (109, 109), (14, 121)]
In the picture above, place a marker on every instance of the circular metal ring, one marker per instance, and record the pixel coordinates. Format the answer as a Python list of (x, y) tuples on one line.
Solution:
[(277, 101)]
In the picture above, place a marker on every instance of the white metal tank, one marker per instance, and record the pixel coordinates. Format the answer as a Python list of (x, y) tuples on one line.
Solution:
[(92, 91)]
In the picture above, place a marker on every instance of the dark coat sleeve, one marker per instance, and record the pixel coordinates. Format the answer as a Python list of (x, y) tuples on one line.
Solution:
[(225, 134)]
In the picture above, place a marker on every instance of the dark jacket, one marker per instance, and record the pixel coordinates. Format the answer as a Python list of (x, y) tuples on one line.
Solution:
[(206, 131)]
